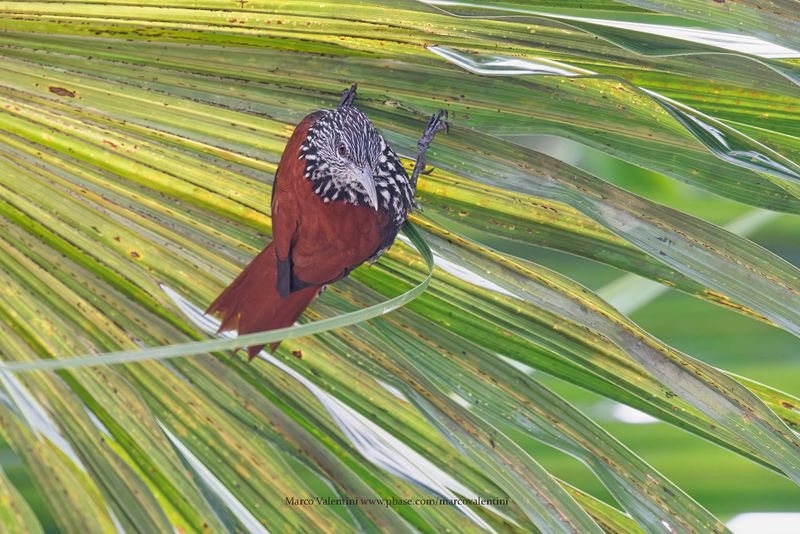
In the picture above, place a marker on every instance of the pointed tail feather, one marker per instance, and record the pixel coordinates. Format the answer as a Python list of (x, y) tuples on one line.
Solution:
[(251, 302)]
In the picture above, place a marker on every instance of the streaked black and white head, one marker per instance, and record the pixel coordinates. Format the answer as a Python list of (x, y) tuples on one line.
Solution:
[(348, 160)]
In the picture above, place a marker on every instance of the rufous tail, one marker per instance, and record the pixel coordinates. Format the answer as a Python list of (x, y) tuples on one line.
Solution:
[(251, 303)]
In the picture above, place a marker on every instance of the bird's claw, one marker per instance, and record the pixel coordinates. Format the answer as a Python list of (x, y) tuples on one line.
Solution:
[(348, 96), (436, 123)]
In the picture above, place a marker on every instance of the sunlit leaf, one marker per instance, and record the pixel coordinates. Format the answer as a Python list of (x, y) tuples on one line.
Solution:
[(138, 142)]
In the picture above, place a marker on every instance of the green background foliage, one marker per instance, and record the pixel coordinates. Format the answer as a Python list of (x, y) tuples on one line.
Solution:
[(588, 165)]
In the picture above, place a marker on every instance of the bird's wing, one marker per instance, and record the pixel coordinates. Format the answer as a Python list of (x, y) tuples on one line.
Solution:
[(285, 222), (285, 208)]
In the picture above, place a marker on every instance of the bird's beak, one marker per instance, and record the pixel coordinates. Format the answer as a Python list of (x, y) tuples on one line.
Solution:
[(364, 177)]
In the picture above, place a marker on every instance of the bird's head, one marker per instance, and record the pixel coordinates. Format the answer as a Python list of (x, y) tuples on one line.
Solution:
[(348, 160)]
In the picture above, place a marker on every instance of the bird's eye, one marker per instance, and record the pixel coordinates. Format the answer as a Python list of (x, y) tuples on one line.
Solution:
[(342, 149)]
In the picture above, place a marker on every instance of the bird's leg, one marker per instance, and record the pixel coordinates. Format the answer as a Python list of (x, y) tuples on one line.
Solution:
[(438, 121), (348, 96)]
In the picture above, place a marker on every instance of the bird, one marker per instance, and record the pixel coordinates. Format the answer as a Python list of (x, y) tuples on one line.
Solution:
[(339, 199)]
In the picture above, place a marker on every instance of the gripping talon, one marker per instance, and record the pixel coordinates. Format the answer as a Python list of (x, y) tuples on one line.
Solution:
[(348, 96), (436, 123)]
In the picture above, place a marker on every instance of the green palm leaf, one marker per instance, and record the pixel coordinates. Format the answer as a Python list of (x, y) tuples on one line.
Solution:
[(137, 146)]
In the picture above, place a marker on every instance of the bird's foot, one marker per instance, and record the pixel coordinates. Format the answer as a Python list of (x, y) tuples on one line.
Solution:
[(348, 96), (427, 171), (436, 123)]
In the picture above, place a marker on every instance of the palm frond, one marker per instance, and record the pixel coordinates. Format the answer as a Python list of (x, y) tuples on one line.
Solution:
[(137, 147)]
